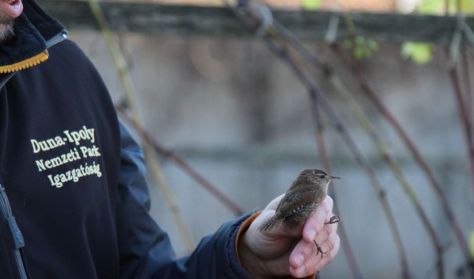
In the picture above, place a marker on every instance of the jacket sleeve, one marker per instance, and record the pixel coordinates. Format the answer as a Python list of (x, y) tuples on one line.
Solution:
[(145, 249)]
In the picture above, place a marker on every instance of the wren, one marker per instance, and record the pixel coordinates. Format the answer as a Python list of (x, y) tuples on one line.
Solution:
[(306, 193)]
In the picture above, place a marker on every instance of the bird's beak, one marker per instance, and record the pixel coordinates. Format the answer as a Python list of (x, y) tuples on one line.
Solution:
[(335, 177)]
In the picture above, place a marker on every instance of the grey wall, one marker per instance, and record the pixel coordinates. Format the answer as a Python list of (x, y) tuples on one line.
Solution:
[(242, 120)]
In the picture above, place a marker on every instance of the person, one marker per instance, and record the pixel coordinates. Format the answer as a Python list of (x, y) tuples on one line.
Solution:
[(73, 197)]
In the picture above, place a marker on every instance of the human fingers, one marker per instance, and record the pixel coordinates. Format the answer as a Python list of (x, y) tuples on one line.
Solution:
[(323, 235), (333, 245), (316, 221), (299, 257), (314, 260), (304, 249)]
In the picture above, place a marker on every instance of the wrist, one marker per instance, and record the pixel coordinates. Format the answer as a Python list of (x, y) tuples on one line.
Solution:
[(247, 258), (250, 261)]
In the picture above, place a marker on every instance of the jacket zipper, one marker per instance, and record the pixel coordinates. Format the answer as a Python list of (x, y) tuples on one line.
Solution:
[(5, 209), (56, 39), (34, 60), (51, 42), (27, 63), (7, 214)]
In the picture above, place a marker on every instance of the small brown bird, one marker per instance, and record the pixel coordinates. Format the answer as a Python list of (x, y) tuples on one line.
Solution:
[(305, 194)]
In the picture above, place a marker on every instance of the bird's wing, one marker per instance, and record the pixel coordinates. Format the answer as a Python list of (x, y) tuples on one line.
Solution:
[(299, 195)]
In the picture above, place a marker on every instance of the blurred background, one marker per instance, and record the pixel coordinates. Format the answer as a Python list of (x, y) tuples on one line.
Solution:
[(241, 118)]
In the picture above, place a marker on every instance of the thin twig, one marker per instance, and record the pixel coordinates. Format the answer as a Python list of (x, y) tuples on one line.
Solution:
[(250, 21), (373, 97), (327, 69), (365, 122), (212, 189), (282, 52), (343, 131), (129, 91), (320, 141), (157, 175), (464, 116), (456, 60), (117, 56), (467, 79), (314, 61)]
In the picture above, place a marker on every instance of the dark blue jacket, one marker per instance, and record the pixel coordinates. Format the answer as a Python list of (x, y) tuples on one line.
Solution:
[(77, 204)]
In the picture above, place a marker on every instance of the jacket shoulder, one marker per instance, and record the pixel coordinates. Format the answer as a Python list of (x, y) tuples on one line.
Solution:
[(69, 56), (68, 47)]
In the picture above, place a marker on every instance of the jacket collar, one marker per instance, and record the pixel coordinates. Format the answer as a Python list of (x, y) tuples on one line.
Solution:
[(35, 31)]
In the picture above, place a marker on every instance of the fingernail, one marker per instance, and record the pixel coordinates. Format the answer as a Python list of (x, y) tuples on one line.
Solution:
[(299, 259), (300, 271), (311, 234)]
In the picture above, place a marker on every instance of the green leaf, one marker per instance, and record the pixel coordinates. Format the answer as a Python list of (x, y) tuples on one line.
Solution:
[(467, 6), (359, 40), (420, 53), (437, 6), (360, 53), (431, 6), (364, 47), (311, 4), (372, 45)]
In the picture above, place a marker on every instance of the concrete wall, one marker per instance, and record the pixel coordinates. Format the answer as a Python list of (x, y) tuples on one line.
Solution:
[(239, 116)]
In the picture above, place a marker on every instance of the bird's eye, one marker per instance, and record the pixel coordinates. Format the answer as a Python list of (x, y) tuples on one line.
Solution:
[(321, 176)]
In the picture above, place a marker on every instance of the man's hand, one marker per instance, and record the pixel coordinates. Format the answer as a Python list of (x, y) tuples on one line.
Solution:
[(286, 251)]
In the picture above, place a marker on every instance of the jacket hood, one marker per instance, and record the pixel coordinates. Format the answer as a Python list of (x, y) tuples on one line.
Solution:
[(33, 29)]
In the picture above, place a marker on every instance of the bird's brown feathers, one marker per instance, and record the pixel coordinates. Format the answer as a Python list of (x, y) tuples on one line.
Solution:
[(304, 195)]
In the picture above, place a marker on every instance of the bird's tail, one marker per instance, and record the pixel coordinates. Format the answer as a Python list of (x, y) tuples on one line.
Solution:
[(269, 224)]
